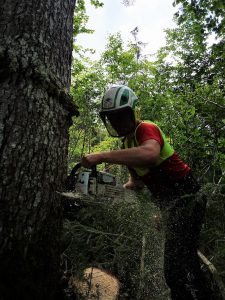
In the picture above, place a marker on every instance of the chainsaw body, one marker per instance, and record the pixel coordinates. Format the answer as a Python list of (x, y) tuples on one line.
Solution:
[(94, 183)]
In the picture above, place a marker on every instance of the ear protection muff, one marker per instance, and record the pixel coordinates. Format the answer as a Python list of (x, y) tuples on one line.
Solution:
[(137, 113)]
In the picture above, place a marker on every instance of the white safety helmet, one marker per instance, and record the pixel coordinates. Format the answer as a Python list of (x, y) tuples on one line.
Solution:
[(119, 110)]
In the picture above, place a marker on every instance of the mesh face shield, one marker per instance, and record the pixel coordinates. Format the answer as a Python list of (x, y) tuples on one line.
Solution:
[(120, 122)]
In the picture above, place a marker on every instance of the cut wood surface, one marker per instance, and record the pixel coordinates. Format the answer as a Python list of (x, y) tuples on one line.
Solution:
[(96, 284)]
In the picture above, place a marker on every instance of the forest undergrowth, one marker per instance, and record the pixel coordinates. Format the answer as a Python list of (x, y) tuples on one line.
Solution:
[(121, 238)]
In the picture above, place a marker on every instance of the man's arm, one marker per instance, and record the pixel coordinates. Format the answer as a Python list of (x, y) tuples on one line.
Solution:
[(144, 155)]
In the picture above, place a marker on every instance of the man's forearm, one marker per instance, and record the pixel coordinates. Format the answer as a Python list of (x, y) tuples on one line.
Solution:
[(141, 156), (133, 157)]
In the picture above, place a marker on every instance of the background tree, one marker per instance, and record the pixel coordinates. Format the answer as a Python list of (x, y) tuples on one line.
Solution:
[(35, 114)]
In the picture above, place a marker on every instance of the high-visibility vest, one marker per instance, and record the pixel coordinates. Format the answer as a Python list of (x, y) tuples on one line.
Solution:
[(166, 151)]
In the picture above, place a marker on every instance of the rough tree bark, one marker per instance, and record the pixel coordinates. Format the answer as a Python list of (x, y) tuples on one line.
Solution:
[(35, 114)]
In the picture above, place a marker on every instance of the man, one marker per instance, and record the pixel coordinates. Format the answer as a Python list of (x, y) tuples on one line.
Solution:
[(152, 161)]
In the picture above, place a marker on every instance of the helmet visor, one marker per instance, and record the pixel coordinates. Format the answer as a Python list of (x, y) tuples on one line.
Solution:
[(120, 122)]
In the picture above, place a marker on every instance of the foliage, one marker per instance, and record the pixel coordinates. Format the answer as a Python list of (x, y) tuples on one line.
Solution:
[(213, 239), (210, 13), (87, 88), (118, 62), (81, 18), (197, 87), (207, 20)]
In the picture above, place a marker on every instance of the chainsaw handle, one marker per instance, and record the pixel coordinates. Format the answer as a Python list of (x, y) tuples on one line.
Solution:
[(71, 179), (94, 171), (78, 166), (75, 169)]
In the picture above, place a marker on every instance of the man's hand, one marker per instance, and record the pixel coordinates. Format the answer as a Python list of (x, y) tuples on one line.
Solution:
[(129, 185), (91, 160), (134, 184)]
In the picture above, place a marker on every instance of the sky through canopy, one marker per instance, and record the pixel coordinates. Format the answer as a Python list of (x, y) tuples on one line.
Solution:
[(150, 16)]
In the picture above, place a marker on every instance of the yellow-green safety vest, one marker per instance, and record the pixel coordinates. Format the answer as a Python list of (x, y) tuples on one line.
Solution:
[(166, 151)]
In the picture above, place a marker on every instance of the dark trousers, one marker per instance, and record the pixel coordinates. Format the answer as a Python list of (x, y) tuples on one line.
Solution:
[(183, 218)]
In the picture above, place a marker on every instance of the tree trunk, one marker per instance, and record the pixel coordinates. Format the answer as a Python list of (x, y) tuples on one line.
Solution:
[(35, 114)]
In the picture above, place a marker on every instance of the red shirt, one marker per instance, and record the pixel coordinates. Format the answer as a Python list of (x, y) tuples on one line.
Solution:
[(167, 173)]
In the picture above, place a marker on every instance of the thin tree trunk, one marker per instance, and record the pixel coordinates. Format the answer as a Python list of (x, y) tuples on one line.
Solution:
[(215, 275), (142, 267), (35, 114)]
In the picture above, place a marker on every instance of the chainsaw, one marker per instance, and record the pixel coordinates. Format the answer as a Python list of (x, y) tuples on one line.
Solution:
[(89, 185), (89, 182)]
